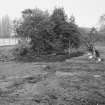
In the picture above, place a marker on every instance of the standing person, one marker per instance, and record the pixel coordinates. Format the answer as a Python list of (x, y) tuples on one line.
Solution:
[(97, 55), (90, 52)]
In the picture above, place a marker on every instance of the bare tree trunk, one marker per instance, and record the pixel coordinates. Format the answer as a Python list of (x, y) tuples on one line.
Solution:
[(38, 52), (70, 47)]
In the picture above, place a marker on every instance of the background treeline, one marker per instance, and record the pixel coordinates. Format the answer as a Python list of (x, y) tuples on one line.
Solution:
[(42, 32), (5, 27)]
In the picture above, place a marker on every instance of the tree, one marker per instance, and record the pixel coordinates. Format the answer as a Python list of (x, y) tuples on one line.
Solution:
[(70, 36), (91, 38), (14, 27), (48, 32), (66, 31), (102, 23), (38, 28), (92, 35), (5, 26)]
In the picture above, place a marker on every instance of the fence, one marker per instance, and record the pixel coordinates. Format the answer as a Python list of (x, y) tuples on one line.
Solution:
[(8, 41)]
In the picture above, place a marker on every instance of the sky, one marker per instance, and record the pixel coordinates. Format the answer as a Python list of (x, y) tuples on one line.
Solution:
[(86, 12)]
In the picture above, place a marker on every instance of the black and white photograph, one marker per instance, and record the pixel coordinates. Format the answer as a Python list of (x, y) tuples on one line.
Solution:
[(52, 52)]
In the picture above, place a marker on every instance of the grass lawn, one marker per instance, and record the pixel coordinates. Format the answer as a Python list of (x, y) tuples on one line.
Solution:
[(74, 82)]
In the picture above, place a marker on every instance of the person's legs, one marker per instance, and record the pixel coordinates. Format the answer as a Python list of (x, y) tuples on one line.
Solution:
[(97, 55), (90, 56), (99, 59)]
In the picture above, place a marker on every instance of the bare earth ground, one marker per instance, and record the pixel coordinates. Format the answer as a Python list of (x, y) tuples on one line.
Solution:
[(77, 81)]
